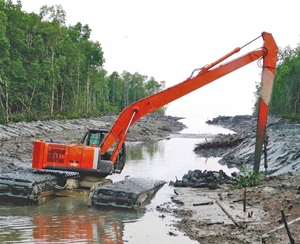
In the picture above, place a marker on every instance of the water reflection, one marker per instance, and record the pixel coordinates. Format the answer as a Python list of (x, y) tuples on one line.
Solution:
[(64, 220), (142, 150), (167, 159)]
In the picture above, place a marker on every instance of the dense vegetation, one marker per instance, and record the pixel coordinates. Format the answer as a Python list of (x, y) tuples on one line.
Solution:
[(286, 90), (49, 70)]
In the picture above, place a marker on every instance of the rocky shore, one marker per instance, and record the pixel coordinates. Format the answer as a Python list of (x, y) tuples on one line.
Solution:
[(283, 149)]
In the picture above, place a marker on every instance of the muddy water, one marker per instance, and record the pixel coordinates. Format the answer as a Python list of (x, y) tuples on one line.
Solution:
[(69, 220)]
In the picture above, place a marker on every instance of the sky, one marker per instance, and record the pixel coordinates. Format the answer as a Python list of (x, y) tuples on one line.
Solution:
[(168, 39)]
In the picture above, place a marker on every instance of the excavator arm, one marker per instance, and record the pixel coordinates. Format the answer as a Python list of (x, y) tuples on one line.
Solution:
[(268, 53)]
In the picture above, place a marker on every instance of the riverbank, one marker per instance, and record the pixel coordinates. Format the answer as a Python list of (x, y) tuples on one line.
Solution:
[(219, 216)]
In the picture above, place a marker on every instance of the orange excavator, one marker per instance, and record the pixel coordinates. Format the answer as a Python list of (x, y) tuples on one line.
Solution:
[(103, 153)]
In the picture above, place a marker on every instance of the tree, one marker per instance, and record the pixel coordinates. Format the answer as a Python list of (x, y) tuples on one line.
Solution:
[(53, 33), (286, 96), (48, 69), (285, 100), (53, 14), (152, 86), (4, 60)]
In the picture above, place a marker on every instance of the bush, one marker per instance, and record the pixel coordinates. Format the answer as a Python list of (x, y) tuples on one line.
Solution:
[(293, 117), (18, 117), (249, 179)]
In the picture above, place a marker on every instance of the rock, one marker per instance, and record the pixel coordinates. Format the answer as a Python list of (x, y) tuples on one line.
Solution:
[(199, 179)]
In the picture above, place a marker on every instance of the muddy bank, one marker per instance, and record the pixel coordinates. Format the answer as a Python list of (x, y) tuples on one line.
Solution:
[(16, 139), (237, 150), (218, 214)]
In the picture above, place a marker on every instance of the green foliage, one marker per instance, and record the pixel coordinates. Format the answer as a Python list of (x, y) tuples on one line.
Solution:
[(54, 71), (18, 117), (161, 110), (249, 179), (293, 117), (71, 116), (286, 89)]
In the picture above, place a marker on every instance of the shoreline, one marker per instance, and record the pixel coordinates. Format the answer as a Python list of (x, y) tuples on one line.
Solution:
[(224, 220)]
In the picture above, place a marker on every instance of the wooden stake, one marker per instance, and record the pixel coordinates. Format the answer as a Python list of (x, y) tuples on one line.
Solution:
[(287, 227), (245, 200)]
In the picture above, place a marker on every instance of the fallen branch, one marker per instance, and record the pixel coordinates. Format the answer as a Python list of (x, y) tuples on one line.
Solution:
[(228, 214), (216, 223), (280, 221), (203, 203), (241, 200)]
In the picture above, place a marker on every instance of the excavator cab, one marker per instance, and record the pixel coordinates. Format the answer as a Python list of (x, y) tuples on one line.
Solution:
[(94, 138)]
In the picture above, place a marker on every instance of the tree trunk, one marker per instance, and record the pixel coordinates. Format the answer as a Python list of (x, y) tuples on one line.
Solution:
[(53, 83), (78, 85), (113, 93), (62, 97), (6, 99), (297, 103), (87, 93)]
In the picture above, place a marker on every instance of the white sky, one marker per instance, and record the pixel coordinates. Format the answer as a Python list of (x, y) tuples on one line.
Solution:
[(168, 39)]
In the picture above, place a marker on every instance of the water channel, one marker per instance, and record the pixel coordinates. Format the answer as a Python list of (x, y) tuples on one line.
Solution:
[(70, 220)]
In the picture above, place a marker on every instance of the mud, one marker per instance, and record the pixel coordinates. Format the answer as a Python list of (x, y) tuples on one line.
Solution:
[(283, 148), (220, 216)]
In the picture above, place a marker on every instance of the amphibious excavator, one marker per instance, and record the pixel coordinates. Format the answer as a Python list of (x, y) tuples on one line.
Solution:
[(102, 152)]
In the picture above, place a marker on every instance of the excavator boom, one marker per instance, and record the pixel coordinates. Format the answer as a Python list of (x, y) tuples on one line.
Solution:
[(209, 73)]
